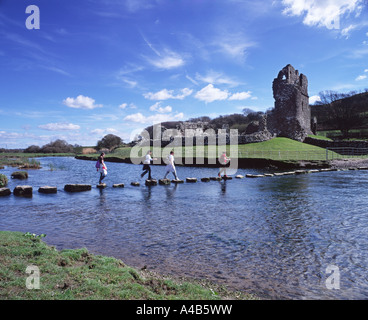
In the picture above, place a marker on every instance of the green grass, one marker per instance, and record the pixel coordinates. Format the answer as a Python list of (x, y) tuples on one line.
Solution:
[(320, 137), (77, 274), (275, 149)]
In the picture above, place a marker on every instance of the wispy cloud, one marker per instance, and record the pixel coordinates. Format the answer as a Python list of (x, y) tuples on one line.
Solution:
[(59, 126), (165, 58), (165, 94), (153, 119)]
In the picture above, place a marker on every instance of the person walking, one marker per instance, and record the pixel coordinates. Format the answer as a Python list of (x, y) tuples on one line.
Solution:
[(102, 167), (146, 165), (170, 167), (224, 162)]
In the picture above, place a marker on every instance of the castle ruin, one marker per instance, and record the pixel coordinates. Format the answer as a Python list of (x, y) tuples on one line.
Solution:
[(291, 117)]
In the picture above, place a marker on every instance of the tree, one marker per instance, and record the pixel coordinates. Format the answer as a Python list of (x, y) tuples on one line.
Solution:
[(342, 110), (33, 149), (247, 111), (109, 141), (57, 146)]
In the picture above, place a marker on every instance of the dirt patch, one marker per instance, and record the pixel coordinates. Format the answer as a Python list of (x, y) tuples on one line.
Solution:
[(88, 150), (349, 163)]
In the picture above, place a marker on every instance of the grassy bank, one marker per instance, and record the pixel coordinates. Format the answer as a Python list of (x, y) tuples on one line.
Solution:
[(282, 149), (78, 274)]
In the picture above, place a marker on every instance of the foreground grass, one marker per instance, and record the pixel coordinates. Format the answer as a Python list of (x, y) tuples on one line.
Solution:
[(77, 274)]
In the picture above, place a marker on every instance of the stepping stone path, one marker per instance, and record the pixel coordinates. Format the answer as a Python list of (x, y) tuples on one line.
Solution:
[(239, 176), (47, 189), (135, 184), (23, 191), (205, 179), (191, 180), (5, 192), (101, 186), (216, 178), (77, 187)]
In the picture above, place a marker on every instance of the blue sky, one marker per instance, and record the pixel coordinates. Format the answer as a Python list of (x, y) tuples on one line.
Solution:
[(117, 66)]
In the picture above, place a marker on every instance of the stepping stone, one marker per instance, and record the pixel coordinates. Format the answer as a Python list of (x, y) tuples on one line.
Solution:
[(205, 179), (135, 184), (20, 175), (239, 176), (177, 181), (77, 187), (216, 178), (300, 172), (227, 178), (191, 179), (101, 186), (254, 175), (25, 191), (118, 185), (279, 174), (47, 189), (164, 181), (313, 171), (4, 192), (268, 175), (151, 182)]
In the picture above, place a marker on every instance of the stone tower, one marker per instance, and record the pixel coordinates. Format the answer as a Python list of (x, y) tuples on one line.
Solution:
[(291, 116)]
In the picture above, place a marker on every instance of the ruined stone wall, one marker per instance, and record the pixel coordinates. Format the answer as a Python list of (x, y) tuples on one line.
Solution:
[(291, 116)]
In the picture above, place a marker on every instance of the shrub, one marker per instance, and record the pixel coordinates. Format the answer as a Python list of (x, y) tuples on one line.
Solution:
[(19, 175), (3, 180)]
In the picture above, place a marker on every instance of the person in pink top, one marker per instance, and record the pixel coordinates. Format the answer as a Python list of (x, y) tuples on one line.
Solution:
[(224, 162)]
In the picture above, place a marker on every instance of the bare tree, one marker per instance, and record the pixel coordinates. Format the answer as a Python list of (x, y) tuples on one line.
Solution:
[(341, 111)]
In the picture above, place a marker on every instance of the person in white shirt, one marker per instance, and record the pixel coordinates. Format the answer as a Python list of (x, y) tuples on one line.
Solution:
[(170, 167), (146, 165), (102, 167)]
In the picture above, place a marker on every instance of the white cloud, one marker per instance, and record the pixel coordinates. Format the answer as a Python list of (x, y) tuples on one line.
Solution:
[(360, 78), (346, 31), (214, 77), (322, 13), (123, 106), (365, 70), (104, 131), (81, 102), (59, 126), (165, 94), (157, 118), (210, 94), (240, 96), (167, 61), (157, 107), (314, 99)]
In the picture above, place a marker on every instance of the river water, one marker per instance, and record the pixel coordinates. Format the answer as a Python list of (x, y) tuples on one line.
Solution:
[(284, 237)]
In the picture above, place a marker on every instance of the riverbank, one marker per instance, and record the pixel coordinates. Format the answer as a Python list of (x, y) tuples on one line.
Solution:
[(79, 275)]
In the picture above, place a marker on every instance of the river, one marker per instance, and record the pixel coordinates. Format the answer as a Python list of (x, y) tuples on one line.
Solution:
[(284, 237)]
